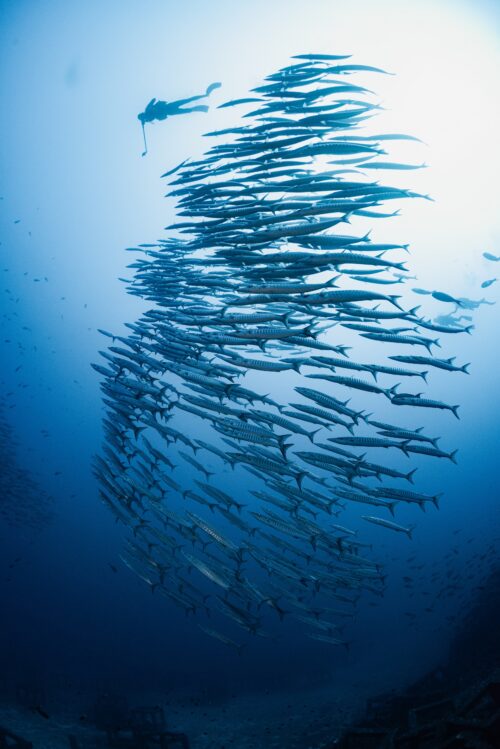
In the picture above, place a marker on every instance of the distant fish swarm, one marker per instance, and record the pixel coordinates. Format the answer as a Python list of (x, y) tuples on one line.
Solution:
[(22, 501), (239, 365)]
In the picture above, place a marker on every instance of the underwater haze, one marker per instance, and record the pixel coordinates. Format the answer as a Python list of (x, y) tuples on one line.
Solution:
[(249, 356)]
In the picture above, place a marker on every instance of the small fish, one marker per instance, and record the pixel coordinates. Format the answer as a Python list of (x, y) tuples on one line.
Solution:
[(40, 711), (485, 284), (441, 296), (329, 639), (406, 399), (222, 638)]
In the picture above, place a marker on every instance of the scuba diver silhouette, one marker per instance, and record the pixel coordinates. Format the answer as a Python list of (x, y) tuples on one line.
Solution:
[(161, 110)]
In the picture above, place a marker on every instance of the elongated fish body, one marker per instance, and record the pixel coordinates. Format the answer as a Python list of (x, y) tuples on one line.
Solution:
[(408, 435), (307, 418), (432, 451), (389, 524), (369, 442), (407, 400), (328, 402), (444, 328), (404, 339), (205, 570), (340, 297), (222, 638), (446, 364), (334, 362), (353, 382), (406, 495)]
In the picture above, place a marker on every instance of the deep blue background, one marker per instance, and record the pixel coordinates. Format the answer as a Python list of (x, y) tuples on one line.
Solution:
[(73, 77)]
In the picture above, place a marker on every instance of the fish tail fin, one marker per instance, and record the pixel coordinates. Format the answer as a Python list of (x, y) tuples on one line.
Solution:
[(137, 431), (465, 368), (413, 311), (296, 365), (394, 298), (468, 329), (342, 350), (393, 390), (409, 476), (308, 330), (423, 375), (283, 444), (299, 478), (410, 530), (435, 500), (391, 506), (404, 445), (311, 434), (455, 410), (452, 456)]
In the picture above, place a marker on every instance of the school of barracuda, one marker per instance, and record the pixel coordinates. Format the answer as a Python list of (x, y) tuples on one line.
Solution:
[(234, 300)]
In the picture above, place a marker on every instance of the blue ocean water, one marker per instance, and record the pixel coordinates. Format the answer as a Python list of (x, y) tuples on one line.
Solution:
[(76, 193)]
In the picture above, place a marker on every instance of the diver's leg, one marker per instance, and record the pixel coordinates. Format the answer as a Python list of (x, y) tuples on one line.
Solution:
[(181, 102), (199, 108)]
